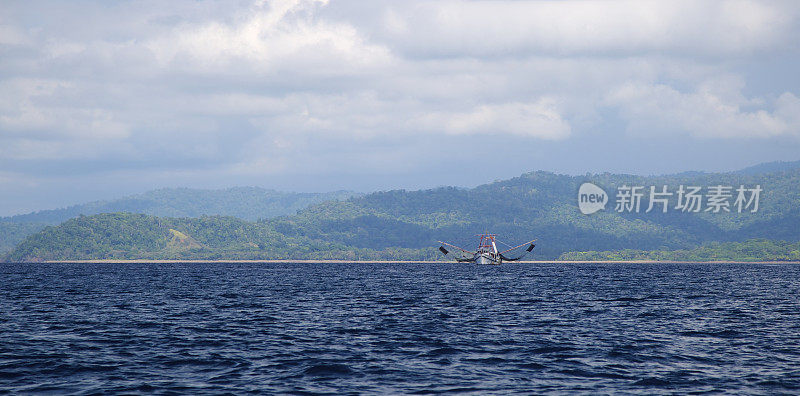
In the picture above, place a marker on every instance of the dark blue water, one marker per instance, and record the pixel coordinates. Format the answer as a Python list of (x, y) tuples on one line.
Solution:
[(399, 328)]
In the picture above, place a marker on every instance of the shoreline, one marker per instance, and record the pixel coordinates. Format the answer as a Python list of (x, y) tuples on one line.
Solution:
[(145, 261)]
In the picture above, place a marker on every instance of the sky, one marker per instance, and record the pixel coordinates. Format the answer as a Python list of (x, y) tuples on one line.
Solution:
[(100, 99)]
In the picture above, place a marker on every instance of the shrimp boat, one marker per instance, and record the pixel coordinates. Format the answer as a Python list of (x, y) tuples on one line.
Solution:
[(487, 252)]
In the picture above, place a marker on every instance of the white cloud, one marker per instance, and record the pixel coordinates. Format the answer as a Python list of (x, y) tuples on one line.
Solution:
[(491, 28), (36, 107), (787, 109), (269, 87), (12, 36), (272, 36), (716, 109), (539, 119)]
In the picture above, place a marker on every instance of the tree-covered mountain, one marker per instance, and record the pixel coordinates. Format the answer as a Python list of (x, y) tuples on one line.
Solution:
[(136, 236), (539, 205), (249, 203), (13, 233), (543, 205)]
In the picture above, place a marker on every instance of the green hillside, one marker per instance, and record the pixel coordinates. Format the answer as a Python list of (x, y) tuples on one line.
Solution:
[(137, 236), (544, 205), (249, 203), (406, 224), (13, 233)]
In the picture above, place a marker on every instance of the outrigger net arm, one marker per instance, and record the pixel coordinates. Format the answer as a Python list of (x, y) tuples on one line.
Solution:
[(466, 255), (525, 253)]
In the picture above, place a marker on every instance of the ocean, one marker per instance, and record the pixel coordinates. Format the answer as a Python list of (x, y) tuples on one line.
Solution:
[(399, 328)]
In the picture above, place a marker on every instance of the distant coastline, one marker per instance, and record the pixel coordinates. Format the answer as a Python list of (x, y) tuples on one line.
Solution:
[(116, 261), (403, 226)]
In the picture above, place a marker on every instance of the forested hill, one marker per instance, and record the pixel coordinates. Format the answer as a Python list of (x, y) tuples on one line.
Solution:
[(249, 203), (406, 224), (137, 236), (543, 205)]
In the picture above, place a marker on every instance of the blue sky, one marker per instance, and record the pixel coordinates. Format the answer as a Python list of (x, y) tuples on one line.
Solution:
[(100, 99)]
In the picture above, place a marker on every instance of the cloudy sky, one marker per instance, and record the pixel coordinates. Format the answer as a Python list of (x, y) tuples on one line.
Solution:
[(100, 99)]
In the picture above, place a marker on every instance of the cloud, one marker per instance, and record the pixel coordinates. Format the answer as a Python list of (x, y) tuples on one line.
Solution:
[(716, 109), (12, 36), (37, 122), (492, 28), (272, 36), (539, 119), (216, 88)]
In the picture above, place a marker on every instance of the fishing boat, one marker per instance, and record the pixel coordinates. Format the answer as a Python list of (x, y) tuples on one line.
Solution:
[(487, 252)]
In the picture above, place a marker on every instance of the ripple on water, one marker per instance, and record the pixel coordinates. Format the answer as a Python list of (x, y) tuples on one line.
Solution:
[(399, 328)]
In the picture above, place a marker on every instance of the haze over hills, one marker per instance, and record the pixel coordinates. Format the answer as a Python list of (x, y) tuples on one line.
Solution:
[(248, 203), (405, 224), (770, 167)]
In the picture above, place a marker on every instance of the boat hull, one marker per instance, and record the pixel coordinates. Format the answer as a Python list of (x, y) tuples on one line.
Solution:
[(485, 259)]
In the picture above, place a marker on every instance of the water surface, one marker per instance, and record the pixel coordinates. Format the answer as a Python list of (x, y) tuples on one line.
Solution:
[(399, 328)]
